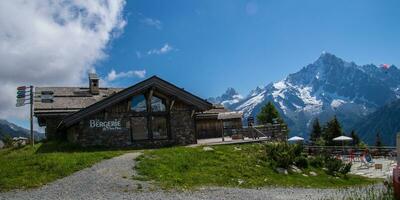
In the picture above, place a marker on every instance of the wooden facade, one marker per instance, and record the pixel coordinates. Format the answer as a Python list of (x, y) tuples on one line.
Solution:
[(209, 126), (152, 113)]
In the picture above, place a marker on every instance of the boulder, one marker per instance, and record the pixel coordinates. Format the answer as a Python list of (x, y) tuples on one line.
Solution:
[(295, 169), (237, 149), (282, 170), (313, 173), (208, 149)]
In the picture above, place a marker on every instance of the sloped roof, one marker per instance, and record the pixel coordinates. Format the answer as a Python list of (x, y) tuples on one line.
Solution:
[(216, 111), (67, 100), (152, 82)]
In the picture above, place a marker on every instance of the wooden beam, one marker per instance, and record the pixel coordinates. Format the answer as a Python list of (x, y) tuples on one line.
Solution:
[(151, 93), (172, 104), (193, 111)]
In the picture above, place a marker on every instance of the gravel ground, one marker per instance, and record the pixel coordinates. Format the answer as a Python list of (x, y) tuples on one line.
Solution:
[(111, 179)]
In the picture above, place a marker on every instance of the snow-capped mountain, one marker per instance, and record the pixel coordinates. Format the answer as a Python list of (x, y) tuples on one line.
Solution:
[(327, 87), (231, 96)]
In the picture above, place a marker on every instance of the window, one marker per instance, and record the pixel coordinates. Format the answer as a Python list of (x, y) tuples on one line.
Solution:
[(157, 104), (139, 128), (149, 123), (159, 127), (139, 104)]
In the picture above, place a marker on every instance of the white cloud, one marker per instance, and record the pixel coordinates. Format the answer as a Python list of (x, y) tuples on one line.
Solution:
[(113, 75), (163, 50), (52, 43), (152, 22)]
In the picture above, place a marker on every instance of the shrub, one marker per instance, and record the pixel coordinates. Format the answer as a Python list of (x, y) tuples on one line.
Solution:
[(301, 162), (333, 165), (345, 169), (317, 161), (282, 154)]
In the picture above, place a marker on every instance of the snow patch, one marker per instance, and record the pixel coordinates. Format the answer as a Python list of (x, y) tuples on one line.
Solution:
[(337, 103), (248, 106), (280, 89)]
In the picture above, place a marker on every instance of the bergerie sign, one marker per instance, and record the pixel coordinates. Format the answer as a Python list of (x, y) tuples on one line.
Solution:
[(110, 125)]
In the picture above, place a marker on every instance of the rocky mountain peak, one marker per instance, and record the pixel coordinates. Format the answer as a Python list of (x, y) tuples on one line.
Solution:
[(327, 87), (228, 98)]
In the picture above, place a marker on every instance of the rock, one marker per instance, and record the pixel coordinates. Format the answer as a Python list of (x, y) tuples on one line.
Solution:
[(313, 173), (282, 170), (305, 175), (295, 169), (237, 149), (208, 149)]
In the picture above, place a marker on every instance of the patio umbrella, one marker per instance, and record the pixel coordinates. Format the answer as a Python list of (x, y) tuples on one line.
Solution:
[(342, 138), (296, 138)]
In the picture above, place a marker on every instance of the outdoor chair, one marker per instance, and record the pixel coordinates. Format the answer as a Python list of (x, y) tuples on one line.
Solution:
[(366, 161)]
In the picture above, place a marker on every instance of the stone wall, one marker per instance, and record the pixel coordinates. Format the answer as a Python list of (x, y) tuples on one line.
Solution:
[(182, 124)]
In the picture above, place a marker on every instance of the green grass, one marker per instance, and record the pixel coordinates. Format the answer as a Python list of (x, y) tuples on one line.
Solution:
[(29, 167), (183, 167)]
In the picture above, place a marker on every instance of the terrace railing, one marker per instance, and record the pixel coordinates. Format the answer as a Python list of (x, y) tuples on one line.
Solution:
[(386, 151), (272, 131)]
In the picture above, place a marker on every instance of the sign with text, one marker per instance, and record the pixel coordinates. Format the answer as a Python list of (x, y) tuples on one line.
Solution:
[(107, 125)]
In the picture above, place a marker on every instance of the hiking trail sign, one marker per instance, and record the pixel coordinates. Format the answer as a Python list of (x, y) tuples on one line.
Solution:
[(24, 97)]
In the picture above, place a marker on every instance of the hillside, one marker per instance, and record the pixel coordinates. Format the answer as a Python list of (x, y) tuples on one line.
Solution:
[(385, 121), (8, 128)]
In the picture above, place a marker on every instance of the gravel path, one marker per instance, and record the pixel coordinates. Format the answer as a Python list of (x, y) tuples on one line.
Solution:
[(112, 179)]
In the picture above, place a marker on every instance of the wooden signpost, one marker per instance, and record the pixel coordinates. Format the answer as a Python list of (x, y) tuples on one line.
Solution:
[(22, 100)]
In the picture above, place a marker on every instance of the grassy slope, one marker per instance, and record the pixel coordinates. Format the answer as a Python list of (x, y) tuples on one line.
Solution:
[(34, 166), (183, 167)]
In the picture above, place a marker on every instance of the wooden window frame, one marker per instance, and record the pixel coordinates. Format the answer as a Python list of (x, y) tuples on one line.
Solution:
[(148, 114)]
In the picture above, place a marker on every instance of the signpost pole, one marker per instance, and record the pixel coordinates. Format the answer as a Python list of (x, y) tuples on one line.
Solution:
[(31, 115)]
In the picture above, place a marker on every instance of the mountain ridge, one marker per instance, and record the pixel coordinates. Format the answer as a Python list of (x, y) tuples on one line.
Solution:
[(329, 86), (13, 130)]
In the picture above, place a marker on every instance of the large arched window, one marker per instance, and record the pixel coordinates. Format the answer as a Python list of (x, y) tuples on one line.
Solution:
[(150, 117)]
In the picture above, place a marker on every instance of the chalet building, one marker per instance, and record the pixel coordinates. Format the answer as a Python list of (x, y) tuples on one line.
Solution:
[(217, 121), (151, 113)]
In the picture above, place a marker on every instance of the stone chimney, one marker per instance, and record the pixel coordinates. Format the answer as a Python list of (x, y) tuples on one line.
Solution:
[(93, 83)]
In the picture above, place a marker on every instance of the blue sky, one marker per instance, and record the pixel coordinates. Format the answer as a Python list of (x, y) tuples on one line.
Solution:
[(242, 44), (204, 46)]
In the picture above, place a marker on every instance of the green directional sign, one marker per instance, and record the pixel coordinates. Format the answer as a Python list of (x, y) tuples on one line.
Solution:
[(21, 96), (21, 92)]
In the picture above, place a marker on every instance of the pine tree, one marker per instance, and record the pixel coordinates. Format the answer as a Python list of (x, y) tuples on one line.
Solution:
[(316, 132), (269, 114), (378, 140), (356, 139), (331, 130)]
